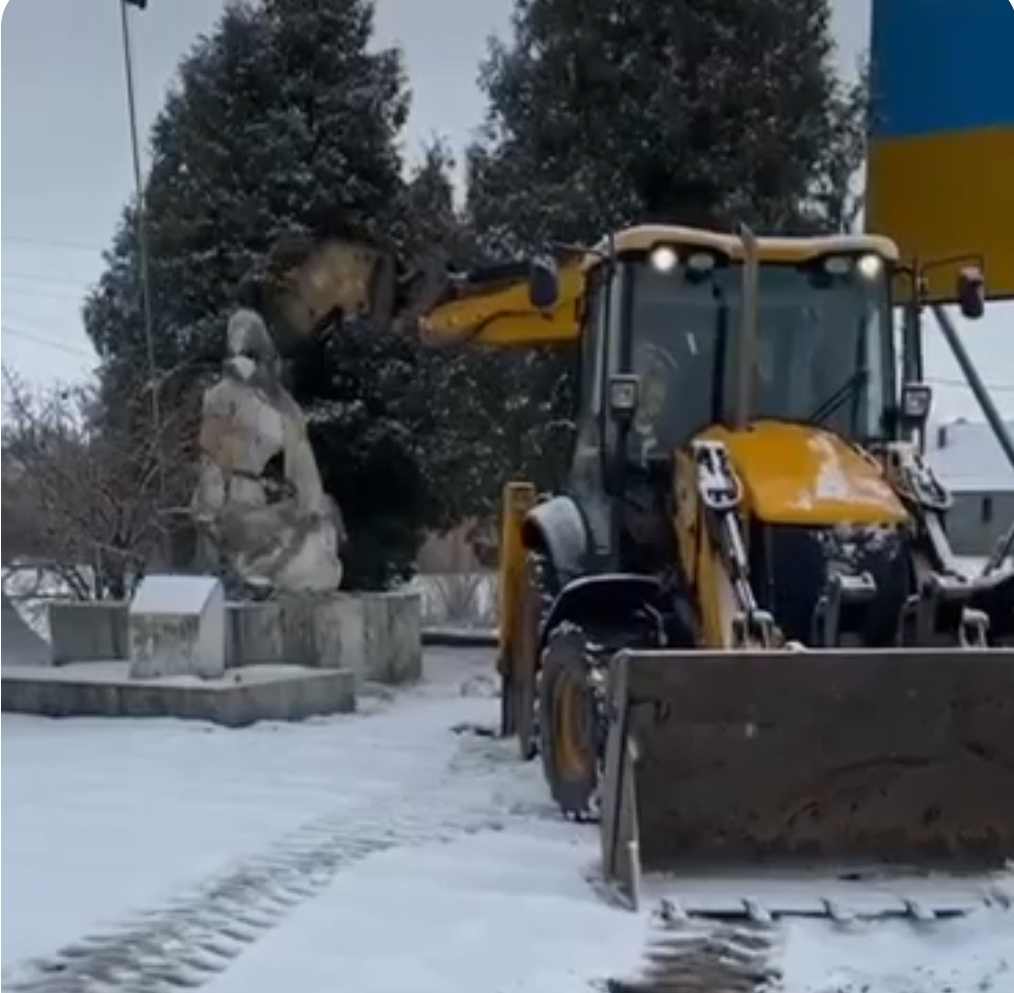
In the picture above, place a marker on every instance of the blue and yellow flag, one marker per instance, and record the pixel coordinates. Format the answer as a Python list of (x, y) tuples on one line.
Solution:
[(941, 159)]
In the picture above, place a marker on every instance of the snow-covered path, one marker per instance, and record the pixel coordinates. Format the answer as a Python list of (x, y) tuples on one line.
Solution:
[(378, 853), (151, 853), (101, 816)]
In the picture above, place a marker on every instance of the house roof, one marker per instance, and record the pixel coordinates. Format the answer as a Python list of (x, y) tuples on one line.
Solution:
[(970, 458)]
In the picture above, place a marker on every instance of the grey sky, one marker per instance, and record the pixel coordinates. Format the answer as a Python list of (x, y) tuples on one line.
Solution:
[(66, 172)]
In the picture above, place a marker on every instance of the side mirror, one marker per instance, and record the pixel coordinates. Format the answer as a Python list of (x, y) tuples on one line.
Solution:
[(916, 400), (971, 292), (624, 395), (543, 282), (622, 398)]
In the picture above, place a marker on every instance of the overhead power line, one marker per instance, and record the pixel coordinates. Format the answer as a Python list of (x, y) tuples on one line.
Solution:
[(19, 317), (40, 278), (943, 381), (79, 246), (42, 293), (46, 342)]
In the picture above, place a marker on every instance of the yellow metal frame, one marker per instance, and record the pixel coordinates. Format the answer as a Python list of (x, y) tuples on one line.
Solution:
[(503, 315), (713, 597), (518, 498)]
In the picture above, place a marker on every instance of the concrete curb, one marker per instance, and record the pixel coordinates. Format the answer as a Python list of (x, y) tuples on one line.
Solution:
[(461, 637)]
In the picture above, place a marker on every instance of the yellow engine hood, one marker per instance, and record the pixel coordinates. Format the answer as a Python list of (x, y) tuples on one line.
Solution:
[(796, 474)]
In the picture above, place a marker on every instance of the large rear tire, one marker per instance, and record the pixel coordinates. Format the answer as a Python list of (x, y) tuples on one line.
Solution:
[(570, 723)]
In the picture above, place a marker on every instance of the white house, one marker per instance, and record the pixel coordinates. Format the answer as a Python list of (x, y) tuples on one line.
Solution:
[(972, 465)]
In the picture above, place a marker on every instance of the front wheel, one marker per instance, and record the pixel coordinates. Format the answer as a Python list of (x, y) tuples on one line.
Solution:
[(570, 723)]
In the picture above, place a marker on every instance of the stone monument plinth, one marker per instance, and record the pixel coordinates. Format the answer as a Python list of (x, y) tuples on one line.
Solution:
[(177, 627)]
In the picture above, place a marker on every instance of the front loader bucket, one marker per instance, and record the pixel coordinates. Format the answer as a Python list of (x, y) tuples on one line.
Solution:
[(886, 754)]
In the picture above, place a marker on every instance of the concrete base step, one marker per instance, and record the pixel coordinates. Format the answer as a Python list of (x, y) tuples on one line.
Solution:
[(240, 697)]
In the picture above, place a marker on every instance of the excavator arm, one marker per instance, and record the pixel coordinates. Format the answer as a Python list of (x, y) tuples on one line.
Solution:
[(491, 307), (306, 285)]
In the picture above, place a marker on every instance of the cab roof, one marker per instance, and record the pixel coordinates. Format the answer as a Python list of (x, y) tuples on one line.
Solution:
[(644, 237)]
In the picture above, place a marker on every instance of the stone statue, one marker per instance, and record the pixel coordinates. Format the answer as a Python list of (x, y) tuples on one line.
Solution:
[(260, 508)]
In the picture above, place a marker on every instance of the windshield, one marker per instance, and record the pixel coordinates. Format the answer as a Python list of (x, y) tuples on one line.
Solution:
[(823, 349)]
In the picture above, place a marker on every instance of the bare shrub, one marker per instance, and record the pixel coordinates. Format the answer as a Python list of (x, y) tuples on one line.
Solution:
[(89, 490), (465, 597)]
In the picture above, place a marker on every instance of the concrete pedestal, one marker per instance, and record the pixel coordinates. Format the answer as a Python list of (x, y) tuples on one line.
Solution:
[(20, 645), (299, 655), (177, 627), (91, 631), (382, 632), (376, 635)]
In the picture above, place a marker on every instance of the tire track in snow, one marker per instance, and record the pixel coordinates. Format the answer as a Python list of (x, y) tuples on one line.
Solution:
[(184, 943), (700, 956)]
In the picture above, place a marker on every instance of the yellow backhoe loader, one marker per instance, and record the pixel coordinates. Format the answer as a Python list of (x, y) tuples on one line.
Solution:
[(741, 633)]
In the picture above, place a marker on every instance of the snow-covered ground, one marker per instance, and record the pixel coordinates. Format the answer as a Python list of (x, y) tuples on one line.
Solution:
[(389, 851), (405, 851)]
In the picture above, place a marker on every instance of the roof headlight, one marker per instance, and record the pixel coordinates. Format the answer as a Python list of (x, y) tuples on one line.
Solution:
[(869, 266), (664, 258), (838, 265), (701, 262)]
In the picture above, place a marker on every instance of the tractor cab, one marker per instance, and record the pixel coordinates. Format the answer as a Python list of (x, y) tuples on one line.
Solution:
[(683, 334), (668, 309)]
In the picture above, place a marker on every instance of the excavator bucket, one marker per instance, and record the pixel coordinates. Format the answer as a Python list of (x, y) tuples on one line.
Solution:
[(726, 756)]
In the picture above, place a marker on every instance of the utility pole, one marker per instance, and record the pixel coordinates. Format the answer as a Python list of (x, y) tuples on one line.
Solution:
[(142, 242), (142, 237)]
